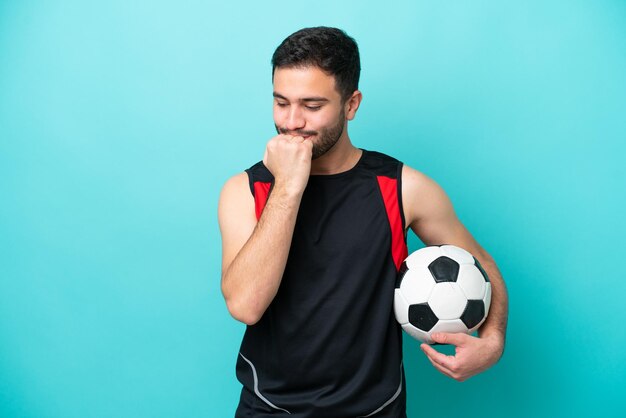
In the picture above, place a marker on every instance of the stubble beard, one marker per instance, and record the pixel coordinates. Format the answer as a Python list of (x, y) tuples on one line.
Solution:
[(327, 137)]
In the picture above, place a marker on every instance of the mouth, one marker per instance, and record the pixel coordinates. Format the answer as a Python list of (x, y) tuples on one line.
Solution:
[(305, 136)]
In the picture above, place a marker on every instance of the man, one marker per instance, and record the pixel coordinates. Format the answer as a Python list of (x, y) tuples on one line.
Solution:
[(312, 239)]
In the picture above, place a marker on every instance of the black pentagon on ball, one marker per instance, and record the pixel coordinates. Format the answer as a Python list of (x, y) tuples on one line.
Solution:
[(482, 270), (474, 313), (422, 317), (444, 269)]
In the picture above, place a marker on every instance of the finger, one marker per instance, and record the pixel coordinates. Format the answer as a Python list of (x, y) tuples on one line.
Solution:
[(444, 368), (441, 368), (458, 339), (436, 356)]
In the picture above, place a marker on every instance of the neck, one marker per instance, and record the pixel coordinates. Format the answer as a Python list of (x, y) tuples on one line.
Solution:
[(342, 157)]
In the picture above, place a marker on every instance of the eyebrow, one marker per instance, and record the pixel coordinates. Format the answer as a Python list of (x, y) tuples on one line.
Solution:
[(305, 99)]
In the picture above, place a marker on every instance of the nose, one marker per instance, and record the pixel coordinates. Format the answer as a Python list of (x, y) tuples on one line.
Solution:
[(295, 119)]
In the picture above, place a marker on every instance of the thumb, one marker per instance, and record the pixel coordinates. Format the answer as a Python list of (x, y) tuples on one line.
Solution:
[(457, 339)]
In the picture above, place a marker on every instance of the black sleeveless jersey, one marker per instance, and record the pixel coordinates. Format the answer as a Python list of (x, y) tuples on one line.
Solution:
[(329, 345)]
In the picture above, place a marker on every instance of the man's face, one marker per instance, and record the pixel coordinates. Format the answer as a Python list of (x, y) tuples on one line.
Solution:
[(307, 104)]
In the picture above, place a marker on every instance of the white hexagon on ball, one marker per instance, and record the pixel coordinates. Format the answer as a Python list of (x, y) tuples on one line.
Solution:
[(423, 257), (417, 285), (449, 325), (471, 281), (447, 300)]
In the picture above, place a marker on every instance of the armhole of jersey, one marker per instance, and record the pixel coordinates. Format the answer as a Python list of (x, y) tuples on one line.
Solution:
[(390, 189), (250, 180), (260, 191), (400, 202)]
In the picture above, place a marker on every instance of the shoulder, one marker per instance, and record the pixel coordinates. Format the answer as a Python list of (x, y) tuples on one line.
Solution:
[(422, 197), (236, 190), (238, 182), (381, 164), (378, 156), (236, 204), (416, 181)]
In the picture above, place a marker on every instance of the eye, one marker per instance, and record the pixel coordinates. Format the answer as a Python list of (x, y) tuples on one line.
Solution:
[(281, 104), (314, 108)]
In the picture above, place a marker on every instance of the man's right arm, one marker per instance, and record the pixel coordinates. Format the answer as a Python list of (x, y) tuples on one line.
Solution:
[(254, 254)]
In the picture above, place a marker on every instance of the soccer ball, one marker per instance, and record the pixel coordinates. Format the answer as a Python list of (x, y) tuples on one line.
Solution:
[(441, 288)]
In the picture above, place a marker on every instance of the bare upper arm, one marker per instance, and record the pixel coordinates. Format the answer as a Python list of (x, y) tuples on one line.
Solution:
[(428, 211), (236, 217)]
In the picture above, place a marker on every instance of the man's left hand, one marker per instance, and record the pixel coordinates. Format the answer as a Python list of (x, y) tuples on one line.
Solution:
[(473, 355)]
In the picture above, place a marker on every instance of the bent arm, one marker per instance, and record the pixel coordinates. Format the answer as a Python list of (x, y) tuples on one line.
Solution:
[(429, 213), (254, 254)]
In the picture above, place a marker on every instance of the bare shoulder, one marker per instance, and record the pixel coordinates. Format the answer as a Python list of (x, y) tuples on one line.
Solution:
[(236, 216), (416, 181), (237, 184), (236, 204), (236, 200), (423, 199)]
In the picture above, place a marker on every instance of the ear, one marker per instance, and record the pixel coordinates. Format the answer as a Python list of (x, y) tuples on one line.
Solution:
[(352, 104)]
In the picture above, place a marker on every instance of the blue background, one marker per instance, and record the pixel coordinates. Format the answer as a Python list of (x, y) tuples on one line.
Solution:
[(120, 121)]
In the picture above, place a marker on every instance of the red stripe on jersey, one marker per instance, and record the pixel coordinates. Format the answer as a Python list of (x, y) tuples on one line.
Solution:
[(389, 190), (261, 192)]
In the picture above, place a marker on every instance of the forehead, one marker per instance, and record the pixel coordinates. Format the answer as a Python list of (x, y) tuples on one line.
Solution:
[(302, 82)]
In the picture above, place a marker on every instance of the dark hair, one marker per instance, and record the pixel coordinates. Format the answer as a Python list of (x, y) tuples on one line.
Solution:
[(330, 49)]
